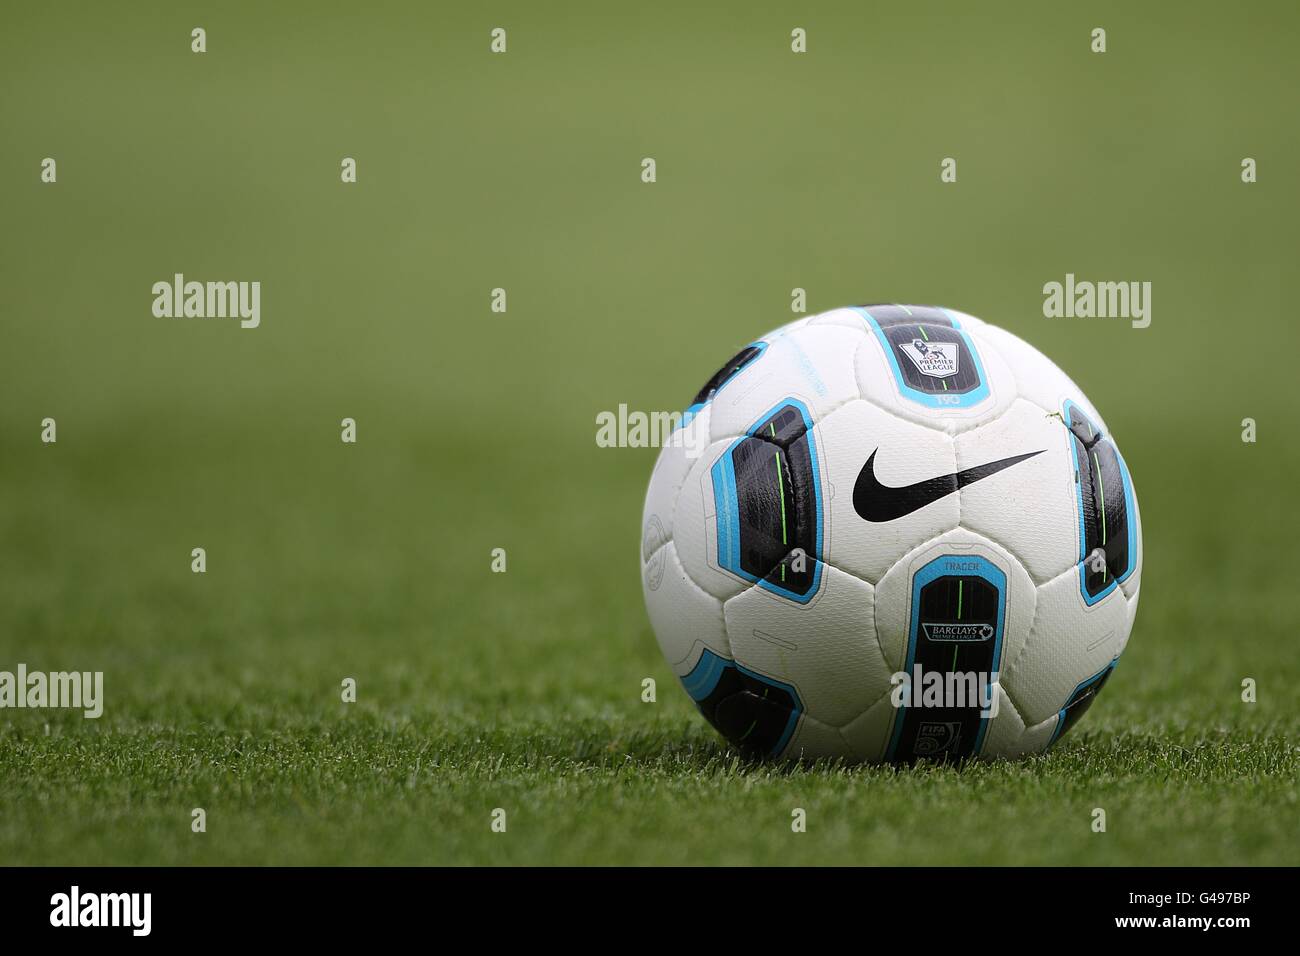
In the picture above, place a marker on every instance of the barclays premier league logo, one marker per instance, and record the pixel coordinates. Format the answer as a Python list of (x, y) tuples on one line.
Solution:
[(936, 359), (956, 633)]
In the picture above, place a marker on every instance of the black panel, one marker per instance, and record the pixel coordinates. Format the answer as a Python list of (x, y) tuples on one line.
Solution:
[(739, 361), (919, 327), (956, 631), (891, 315), (752, 715), (1104, 503), (777, 501), (1080, 701)]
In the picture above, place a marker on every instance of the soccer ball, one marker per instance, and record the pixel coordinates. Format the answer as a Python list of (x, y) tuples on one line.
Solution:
[(888, 533)]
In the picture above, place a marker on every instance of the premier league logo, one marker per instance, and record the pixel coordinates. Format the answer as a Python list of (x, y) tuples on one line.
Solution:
[(936, 359)]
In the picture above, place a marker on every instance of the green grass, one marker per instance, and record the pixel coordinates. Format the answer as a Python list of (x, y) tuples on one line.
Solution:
[(370, 790), (522, 690)]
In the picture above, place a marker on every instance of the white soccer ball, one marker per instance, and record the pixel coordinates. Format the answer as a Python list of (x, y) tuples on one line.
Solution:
[(891, 532)]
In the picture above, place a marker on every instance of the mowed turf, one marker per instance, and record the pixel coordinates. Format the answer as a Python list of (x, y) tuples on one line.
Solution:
[(476, 430)]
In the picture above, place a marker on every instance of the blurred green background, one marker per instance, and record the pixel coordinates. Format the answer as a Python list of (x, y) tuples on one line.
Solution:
[(476, 430)]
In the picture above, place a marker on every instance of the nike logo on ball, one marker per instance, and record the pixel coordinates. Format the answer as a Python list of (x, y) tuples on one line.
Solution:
[(876, 502)]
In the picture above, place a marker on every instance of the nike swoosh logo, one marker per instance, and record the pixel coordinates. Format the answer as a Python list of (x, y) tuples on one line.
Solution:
[(876, 502)]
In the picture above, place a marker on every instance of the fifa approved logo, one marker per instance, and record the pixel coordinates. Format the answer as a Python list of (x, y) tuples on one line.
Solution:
[(937, 736)]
